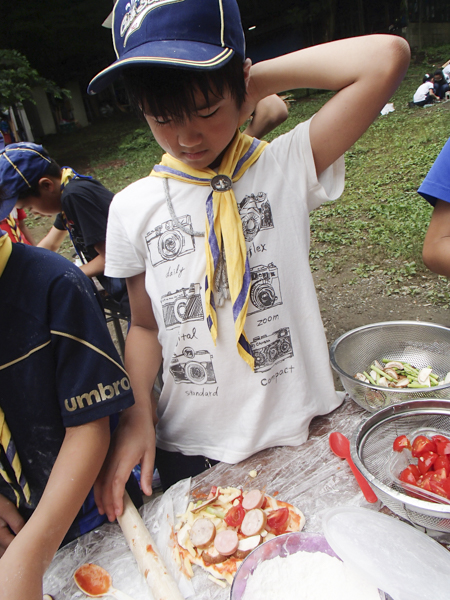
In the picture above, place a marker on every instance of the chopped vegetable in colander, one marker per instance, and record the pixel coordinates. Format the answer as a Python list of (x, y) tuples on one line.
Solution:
[(399, 374)]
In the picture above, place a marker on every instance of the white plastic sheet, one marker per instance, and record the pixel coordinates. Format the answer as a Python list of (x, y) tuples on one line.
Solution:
[(309, 476)]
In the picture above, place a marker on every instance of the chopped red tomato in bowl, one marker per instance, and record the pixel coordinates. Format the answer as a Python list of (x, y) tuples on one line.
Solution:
[(430, 470)]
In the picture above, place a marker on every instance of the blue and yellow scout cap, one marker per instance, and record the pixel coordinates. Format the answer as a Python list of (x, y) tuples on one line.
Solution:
[(192, 34), (21, 165)]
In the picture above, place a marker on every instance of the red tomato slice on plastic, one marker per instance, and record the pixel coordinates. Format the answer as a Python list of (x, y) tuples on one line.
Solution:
[(439, 438), (426, 461), (438, 488), (235, 516), (424, 482), (277, 521), (400, 443), (415, 470), (442, 462), (446, 485), (410, 475), (443, 448), (422, 444)]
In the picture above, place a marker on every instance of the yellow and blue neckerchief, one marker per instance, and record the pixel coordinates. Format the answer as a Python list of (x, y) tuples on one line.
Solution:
[(10, 466), (223, 227)]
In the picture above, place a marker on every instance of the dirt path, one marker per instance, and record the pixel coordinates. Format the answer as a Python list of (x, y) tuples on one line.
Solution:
[(345, 306)]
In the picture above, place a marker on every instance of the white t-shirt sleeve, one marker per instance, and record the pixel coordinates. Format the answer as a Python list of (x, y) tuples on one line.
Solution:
[(293, 152), (121, 259)]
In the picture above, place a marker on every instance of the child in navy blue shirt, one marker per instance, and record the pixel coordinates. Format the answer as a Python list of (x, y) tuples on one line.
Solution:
[(62, 382)]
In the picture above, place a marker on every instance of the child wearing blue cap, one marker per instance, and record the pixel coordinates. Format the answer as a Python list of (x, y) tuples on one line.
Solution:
[(62, 386), (80, 202), (215, 242)]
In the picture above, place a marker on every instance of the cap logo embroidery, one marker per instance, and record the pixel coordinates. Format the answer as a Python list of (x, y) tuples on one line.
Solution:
[(136, 11)]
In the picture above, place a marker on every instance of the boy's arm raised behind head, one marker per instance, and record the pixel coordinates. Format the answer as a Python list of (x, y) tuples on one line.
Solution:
[(364, 71), (268, 114), (133, 441), (76, 467)]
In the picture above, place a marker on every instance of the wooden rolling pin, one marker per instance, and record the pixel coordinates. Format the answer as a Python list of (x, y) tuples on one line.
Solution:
[(145, 552)]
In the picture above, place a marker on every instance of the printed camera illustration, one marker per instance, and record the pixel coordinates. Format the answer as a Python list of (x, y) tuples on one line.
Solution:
[(181, 306), (270, 349), (168, 241), (193, 367), (265, 288), (256, 214)]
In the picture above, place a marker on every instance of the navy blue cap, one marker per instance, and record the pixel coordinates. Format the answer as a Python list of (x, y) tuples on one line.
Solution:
[(191, 34), (21, 166)]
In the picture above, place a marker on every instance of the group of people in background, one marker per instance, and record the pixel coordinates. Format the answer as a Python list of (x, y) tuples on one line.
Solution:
[(434, 88)]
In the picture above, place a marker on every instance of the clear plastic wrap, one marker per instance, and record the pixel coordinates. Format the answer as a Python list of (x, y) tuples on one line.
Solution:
[(310, 477)]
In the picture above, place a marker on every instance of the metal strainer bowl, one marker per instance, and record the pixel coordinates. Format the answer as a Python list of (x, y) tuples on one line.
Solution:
[(420, 344), (371, 448)]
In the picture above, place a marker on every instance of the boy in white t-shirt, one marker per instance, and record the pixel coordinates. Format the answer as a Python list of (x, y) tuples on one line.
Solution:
[(214, 245)]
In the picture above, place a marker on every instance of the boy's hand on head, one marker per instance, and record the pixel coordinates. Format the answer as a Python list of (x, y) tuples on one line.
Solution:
[(132, 443), (11, 522)]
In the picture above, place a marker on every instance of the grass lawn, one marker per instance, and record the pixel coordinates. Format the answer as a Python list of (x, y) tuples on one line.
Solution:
[(378, 224)]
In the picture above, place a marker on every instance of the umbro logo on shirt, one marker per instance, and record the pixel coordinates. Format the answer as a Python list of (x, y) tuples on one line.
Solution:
[(101, 393)]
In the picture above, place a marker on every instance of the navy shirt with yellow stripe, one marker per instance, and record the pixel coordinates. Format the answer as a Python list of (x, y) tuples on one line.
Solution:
[(58, 365)]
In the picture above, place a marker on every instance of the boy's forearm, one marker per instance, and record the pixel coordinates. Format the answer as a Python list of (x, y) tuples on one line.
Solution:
[(143, 356), (73, 474), (133, 441), (97, 265), (94, 267), (333, 66), (53, 239)]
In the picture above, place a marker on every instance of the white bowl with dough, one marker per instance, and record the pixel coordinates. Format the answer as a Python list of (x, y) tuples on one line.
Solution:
[(282, 546)]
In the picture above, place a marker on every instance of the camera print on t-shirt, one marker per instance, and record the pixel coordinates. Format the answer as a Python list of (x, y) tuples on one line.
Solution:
[(170, 240), (182, 306), (193, 367), (265, 289), (268, 350), (256, 214)]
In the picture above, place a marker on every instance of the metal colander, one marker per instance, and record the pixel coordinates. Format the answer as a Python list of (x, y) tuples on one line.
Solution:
[(371, 449), (420, 344)]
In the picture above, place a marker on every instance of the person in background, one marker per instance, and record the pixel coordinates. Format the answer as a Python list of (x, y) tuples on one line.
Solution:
[(45, 188), (15, 226), (435, 188), (215, 243), (63, 387), (5, 130), (446, 72), (440, 84), (425, 92)]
